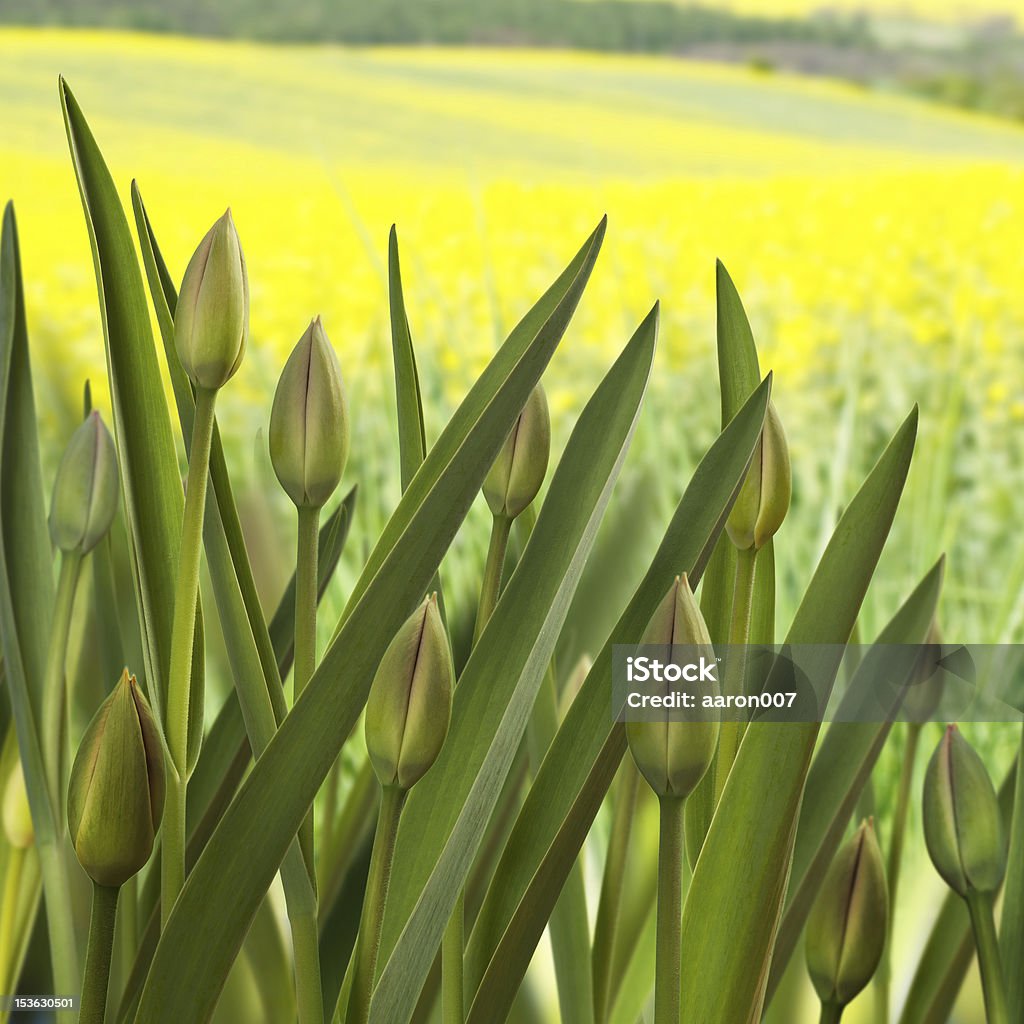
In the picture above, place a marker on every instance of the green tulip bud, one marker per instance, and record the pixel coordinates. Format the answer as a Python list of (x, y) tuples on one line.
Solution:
[(211, 322), (847, 925), (86, 488), (410, 703), (309, 421), (518, 471), (763, 501), (962, 825), (673, 755), (17, 817), (116, 795)]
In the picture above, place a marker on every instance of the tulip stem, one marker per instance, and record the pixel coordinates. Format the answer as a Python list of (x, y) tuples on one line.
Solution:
[(831, 1013), (899, 829), (179, 680), (305, 597), (453, 947), (668, 963), (989, 963), (490, 588), (56, 695), (304, 931), (97, 960), (374, 900), (731, 733)]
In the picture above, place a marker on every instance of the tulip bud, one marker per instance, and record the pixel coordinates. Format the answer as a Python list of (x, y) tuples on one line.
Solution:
[(763, 501), (85, 489), (674, 755), (847, 925), (410, 703), (924, 691), (16, 814), (309, 421), (962, 825), (211, 322), (518, 471), (116, 795)]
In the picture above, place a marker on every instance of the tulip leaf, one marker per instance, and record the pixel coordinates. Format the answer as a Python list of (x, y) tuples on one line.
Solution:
[(1011, 931), (210, 919), (447, 813), (584, 757), (412, 438), (739, 881), (26, 569), (150, 477), (843, 765)]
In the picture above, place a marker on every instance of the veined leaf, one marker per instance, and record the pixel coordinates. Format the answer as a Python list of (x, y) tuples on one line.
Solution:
[(209, 921), (843, 764), (150, 478), (1011, 922), (582, 761), (26, 567), (447, 813), (412, 438), (733, 907)]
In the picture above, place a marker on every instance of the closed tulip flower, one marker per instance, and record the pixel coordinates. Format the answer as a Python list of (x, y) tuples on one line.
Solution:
[(309, 421), (763, 501), (211, 321), (674, 755), (86, 488), (846, 927), (518, 471), (962, 825), (116, 795), (410, 702)]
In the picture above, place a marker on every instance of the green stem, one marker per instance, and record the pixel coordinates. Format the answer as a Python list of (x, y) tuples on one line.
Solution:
[(60, 925), (668, 963), (8, 918), (453, 947), (899, 829), (374, 900), (179, 679), (989, 963), (730, 733), (831, 1013), (56, 695), (97, 960), (172, 840), (305, 934), (305, 598), (490, 588), (306, 950)]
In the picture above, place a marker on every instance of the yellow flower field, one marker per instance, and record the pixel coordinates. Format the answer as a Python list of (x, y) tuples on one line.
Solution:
[(877, 243)]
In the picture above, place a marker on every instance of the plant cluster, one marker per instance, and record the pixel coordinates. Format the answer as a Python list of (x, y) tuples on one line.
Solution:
[(485, 774)]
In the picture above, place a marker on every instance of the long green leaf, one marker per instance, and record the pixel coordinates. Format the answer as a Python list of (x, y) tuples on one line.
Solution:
[(447, 813), (582, 761), (1011, 922), (150, 478), (412, 438), (841, 768), (734, 904), (26, 567), (209, 921)]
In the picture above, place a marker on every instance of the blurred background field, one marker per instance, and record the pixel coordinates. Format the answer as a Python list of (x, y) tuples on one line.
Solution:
[(876, 240)]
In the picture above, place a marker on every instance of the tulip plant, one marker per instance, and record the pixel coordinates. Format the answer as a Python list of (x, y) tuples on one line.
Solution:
[(421, 788)]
